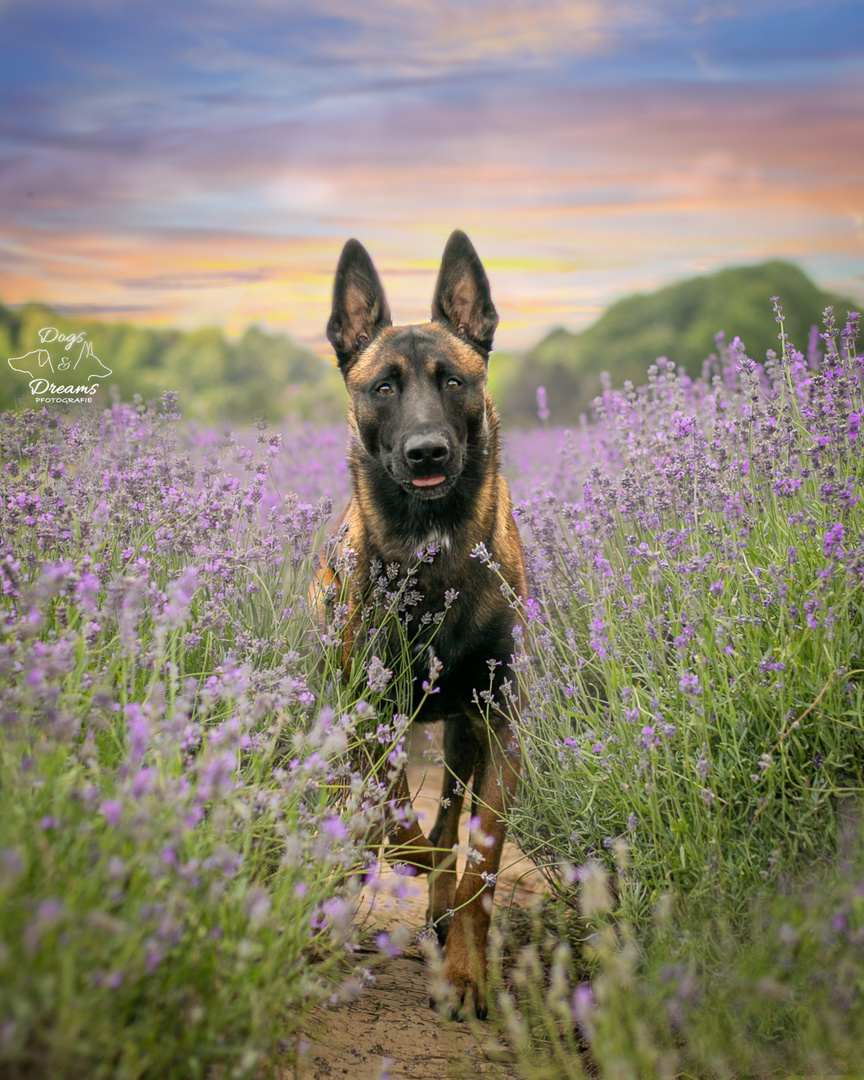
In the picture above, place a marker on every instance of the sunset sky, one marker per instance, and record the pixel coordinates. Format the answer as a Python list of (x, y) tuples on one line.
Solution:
[(202, 162)]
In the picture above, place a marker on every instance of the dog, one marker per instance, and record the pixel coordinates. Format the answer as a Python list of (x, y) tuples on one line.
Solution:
[(423, 457)]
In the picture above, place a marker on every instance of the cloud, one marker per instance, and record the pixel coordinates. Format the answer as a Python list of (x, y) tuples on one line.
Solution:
[(204, 163)]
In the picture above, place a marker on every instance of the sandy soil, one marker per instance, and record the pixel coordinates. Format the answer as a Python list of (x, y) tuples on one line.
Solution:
[(390, 1031)]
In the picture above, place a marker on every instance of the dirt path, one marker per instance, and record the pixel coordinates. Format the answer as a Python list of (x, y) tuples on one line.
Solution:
[(390, 1031)]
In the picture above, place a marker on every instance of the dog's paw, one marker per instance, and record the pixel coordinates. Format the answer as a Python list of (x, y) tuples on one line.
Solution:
[(456, 1006), (459, 994)]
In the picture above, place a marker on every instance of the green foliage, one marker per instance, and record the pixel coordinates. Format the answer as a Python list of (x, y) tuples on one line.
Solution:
[(678, 322), (218, 379)]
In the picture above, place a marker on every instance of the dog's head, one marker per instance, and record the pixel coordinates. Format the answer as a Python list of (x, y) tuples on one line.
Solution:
[(418, 393)]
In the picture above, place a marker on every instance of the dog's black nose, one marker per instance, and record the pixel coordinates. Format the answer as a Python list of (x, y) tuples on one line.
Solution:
[(426, 450)]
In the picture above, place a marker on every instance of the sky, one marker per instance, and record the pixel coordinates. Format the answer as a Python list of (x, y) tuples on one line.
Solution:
[(202, 162)]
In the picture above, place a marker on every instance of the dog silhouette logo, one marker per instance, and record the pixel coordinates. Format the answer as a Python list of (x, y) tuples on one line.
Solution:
[(33, 361)]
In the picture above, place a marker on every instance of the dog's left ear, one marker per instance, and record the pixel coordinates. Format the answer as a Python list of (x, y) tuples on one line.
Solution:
[(462, 297)]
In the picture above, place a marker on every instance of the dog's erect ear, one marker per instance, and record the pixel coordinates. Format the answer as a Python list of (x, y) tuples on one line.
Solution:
[(360, 308), (462, 298)]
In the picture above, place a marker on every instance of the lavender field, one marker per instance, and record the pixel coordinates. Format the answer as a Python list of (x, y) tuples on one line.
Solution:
[(187, 789)]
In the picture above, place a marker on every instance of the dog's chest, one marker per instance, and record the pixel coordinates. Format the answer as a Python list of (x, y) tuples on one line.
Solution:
[(449, 617)]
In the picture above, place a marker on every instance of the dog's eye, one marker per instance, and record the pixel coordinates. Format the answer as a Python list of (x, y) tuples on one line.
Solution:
[(384, 389), (452, 383)]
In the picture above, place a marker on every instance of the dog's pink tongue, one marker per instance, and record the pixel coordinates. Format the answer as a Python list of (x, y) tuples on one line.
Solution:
[(428, 481)]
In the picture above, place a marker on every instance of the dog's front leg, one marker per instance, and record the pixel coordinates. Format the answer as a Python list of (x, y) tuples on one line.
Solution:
[(495, 779), (460, 755)]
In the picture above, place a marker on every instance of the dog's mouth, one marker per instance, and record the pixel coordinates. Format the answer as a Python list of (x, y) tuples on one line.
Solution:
[(426, 487), (433, 481)]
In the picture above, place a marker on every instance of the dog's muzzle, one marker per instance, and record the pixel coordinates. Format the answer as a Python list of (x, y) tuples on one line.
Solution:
[(426, 457)]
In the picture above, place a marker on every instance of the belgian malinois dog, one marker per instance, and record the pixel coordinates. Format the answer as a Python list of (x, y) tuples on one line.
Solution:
[(424, 449)]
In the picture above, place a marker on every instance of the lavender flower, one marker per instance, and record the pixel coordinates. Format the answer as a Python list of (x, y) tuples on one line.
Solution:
[(378, 676), (542, 407)]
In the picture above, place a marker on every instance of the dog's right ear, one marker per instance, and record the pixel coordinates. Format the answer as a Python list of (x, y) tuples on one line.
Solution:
[(360, 308)]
